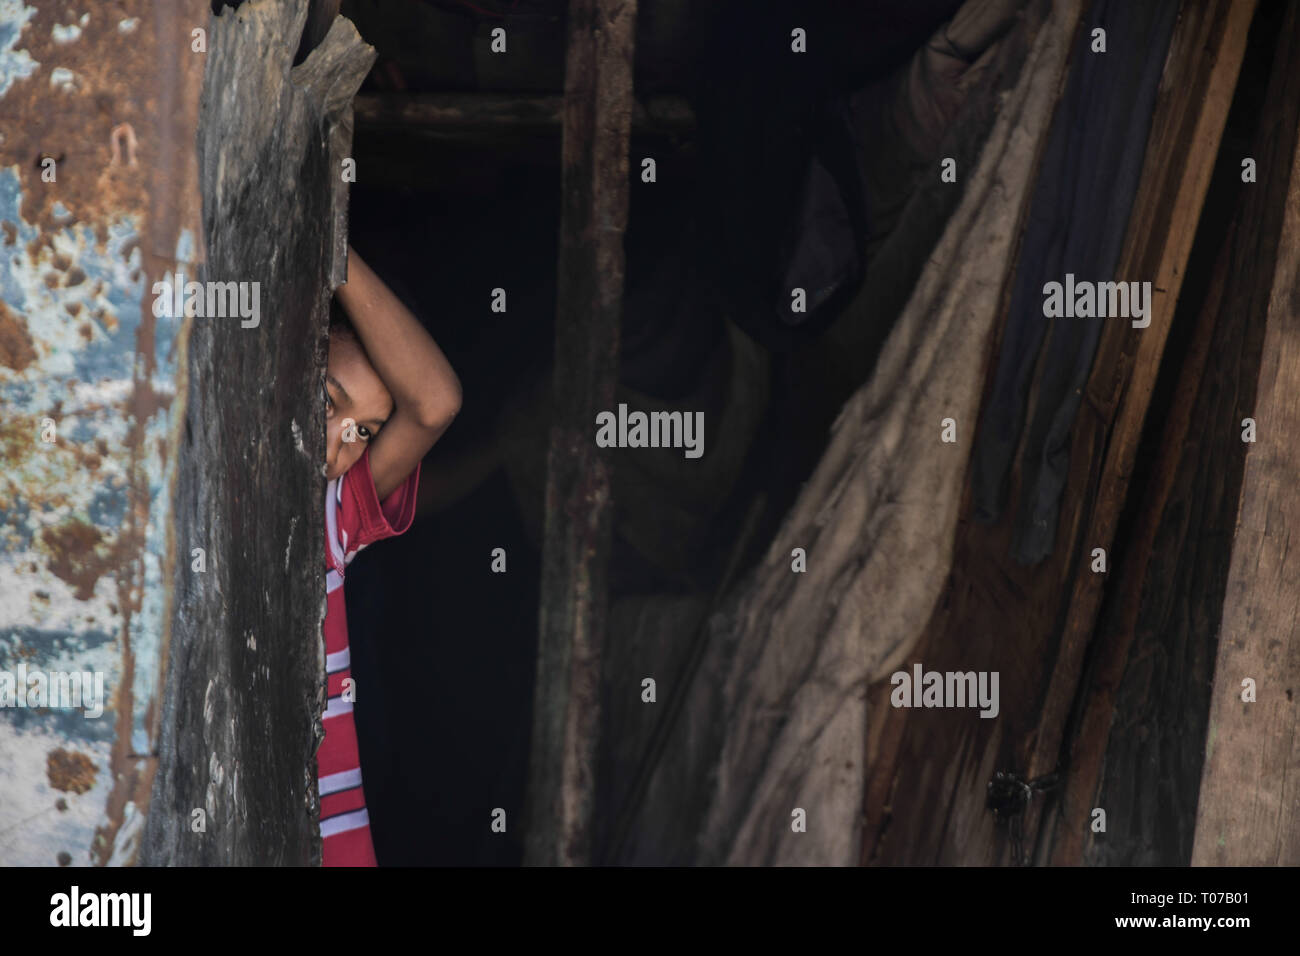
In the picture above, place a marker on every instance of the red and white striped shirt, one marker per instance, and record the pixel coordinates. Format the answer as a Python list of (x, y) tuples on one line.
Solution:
[(354, 518)]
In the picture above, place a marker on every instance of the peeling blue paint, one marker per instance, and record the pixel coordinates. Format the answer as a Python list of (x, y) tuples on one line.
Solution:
[(15, 64), (185, 247), (84, 334)]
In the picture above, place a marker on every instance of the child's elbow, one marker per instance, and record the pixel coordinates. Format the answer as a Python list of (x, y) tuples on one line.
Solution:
[(437, 415)]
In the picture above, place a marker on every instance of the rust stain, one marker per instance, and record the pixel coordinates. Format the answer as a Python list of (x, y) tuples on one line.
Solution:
[(124, 769), (173, 203), (115, 85), (16, 349), (77, 556), (123, 144), (70, 771), (145, 400), (131, 780)]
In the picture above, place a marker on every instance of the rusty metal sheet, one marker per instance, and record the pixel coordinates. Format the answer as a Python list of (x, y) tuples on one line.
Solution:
[(98, 199)]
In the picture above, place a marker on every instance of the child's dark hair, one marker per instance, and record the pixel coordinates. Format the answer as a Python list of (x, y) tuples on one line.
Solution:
[(340, 324)]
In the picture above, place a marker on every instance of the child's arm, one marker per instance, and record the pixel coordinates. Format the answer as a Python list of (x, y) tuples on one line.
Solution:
[(426, 392)]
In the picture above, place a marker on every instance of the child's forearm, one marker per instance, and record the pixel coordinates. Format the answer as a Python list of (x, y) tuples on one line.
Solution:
[(413, 368)]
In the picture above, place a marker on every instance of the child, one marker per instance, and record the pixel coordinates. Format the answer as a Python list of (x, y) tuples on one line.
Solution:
[(389, 395)]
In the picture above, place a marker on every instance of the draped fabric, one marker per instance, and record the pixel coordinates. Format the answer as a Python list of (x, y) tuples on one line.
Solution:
[(774, 718)]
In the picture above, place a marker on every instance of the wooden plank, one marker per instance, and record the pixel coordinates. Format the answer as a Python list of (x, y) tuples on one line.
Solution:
[(1180, 154), (1156, 645), (1004, 617), (1249, 811), (244, 654), (594, 202), (1091, 736)]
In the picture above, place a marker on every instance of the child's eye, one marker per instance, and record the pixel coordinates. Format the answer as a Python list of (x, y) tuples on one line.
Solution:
[(364, 432), (329, 402)]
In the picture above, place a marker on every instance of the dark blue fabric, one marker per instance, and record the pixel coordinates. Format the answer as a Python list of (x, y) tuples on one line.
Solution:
[(1076, 223)]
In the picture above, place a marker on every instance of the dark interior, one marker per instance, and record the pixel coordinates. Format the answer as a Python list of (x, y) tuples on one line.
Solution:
[(446, 218)]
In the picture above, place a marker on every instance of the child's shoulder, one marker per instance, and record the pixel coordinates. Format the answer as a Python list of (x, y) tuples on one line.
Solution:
[(359, 514)]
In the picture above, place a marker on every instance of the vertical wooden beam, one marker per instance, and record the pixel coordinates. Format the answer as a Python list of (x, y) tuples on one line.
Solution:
[(1165, 614), (1176, 174), (245, 655), (593, 216), (1249, 811)]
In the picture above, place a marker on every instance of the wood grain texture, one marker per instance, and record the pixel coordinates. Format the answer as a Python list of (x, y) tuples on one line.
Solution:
[(1249, 812), (929, 805), (246, 681), (1138, 749), (578, 523), (1191, 110)]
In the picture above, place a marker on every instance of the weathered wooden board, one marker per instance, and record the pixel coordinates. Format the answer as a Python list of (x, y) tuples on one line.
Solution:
[(1249, 811), (1181, 151), (572, 615), (926, 799), (1138, 748), (245, 675)]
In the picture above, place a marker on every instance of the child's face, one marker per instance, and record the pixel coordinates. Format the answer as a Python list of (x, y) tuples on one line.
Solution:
[(356, 406)]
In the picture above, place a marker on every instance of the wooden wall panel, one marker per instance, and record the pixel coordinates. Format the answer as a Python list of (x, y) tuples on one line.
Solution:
[(1249, 812)]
